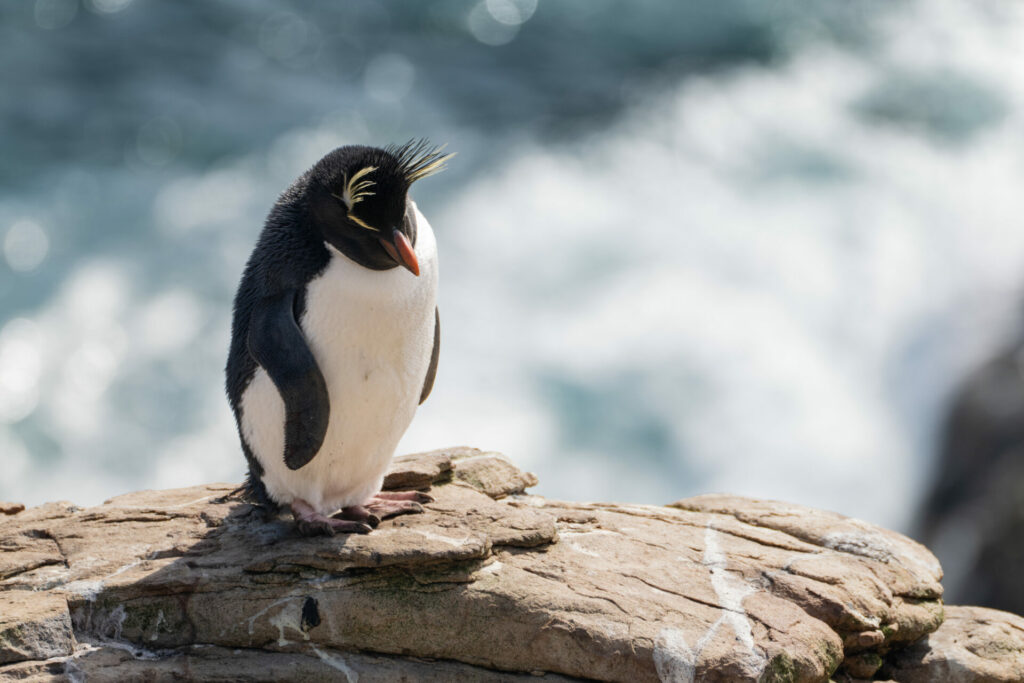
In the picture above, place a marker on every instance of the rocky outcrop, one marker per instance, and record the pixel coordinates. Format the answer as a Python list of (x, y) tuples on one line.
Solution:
[(973, 644), (490, 584)]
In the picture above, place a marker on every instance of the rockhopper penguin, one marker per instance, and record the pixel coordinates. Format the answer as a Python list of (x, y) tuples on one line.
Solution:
[(335, 338)]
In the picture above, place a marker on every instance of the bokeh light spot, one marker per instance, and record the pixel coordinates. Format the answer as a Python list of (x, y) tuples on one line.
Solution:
[(21, 366), (511, 12), (169, 321), (485, 28), (25, 246), (108, 6), (389, 78), (54, 14), (288, 38)]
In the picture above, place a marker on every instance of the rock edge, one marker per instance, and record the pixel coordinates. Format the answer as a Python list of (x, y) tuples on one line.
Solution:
[(491, 583)]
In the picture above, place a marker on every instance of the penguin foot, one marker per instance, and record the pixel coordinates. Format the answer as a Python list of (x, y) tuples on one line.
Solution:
[(417, 496), (328, 527), (309, 522), (385, 508), (357, 513)]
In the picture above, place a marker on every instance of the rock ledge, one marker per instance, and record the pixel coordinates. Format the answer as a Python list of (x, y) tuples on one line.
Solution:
[(490, 584)]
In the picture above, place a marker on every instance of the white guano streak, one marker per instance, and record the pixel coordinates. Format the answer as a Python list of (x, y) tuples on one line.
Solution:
[(674, 659)]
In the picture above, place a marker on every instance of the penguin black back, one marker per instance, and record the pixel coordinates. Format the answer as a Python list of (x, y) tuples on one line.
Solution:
[(287, 255)]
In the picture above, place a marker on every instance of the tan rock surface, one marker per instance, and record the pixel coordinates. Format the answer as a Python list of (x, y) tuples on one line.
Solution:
[(34, 626), (489, 584), (222, 665), (973, 645)]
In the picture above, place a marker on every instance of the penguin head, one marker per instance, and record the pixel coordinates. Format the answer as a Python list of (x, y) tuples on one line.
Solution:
[(358, 198)]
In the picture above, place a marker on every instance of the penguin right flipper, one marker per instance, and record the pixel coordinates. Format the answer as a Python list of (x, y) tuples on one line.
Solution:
[(428, 382), (278, 345)]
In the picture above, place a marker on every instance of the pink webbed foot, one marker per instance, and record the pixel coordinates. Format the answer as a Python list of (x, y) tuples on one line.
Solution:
[(417, 496), (393, 503), (358, 513), (309, 522)]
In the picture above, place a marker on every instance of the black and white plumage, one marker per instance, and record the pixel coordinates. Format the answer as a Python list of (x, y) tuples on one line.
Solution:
[(335, 337)]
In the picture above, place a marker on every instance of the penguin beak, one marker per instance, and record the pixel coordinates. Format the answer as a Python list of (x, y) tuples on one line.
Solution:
[(401, 251)]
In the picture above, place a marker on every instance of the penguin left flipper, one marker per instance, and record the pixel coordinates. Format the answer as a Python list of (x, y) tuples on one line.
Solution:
[(428, 382), (278, 345)]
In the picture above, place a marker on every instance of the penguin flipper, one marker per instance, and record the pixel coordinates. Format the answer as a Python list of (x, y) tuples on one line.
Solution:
[(278, 345), (428, 382)]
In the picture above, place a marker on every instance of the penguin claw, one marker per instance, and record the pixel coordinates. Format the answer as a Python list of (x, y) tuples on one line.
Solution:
[(357, 513), (308, 528), (309, 522), (330, 527)]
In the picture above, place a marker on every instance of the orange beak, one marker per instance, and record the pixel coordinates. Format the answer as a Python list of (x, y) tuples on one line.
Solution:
[(401, 251)]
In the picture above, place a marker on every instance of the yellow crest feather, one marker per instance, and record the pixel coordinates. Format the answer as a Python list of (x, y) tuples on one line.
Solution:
[(356, 187), (360, 222)]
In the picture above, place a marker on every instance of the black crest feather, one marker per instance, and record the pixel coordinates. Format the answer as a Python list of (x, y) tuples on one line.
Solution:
[(418, 159)]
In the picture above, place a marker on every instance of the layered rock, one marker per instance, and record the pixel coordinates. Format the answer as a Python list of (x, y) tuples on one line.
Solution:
[(973, 644), (489, 584)]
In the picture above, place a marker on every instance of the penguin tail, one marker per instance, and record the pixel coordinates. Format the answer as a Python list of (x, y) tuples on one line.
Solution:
[(253, 491)]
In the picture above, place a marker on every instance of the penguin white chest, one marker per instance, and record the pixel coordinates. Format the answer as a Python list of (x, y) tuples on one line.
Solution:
[(372, 334)]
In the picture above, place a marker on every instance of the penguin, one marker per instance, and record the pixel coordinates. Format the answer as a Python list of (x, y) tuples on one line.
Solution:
[(335, 338)]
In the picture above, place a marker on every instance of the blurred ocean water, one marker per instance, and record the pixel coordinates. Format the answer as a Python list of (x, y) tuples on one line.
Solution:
[(740, 246)]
